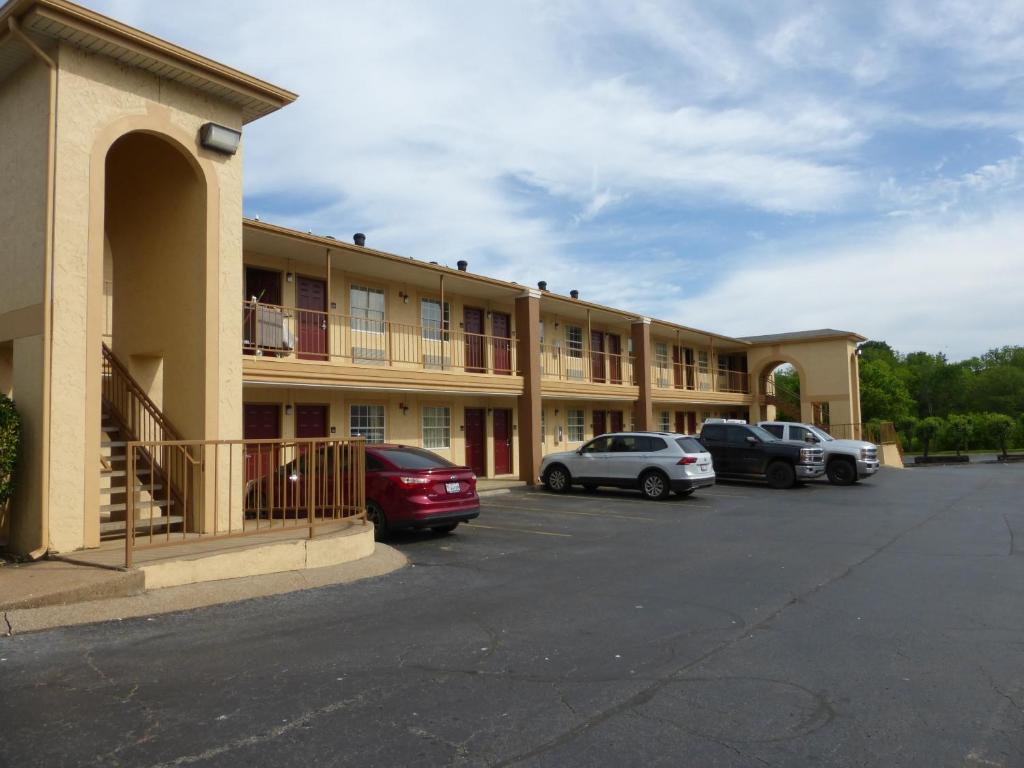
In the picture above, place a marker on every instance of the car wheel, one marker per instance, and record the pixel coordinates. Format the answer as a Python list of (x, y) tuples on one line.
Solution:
[(442, 530), (557, 479), (380, 522), (781, 475), (684, 494), (654, 485), (841, 472)]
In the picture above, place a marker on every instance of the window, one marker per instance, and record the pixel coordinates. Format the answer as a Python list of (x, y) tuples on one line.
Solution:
[(576, 426), (414, 458), (574, 341), (367, 421), (600, 445), (663, 422), (714, 432), (367, 309), (820, 414), (431, 320), (437, 427), (661, 363), (799, 433), (690, 445), (775, 429), (737, 435)]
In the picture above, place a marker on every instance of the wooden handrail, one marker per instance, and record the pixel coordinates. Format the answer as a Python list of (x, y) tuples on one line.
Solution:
[(116, 368)]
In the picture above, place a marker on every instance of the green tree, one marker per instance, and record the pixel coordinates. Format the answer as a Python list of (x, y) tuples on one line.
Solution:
[(10, 437), (883, 395), (906, 425), (959, 429), (999, 428), (927, 430)]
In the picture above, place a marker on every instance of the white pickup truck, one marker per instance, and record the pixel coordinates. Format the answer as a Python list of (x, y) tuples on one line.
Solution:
[(846, 461)]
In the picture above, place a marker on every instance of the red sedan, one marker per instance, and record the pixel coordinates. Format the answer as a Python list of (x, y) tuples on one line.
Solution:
[(412, 488)]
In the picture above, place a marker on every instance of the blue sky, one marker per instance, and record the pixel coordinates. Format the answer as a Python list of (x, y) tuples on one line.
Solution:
[(745, 168)]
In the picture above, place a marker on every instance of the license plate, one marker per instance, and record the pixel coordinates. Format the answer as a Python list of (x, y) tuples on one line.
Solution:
[(703, 467), (453, 487)]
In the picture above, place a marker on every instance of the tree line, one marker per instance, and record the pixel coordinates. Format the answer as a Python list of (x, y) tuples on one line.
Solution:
[(937, 405)]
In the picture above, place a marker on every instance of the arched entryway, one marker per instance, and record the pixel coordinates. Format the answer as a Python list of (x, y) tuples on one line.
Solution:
[(779, 399)]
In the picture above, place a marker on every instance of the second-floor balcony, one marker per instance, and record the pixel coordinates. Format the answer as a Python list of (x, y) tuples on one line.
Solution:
[(585, 365), (269, 330), (699, 378)]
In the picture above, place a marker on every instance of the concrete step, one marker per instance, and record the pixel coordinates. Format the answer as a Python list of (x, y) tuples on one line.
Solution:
[(113, 489), (114, 473), (139, 505), (142, 526), (113, 443)]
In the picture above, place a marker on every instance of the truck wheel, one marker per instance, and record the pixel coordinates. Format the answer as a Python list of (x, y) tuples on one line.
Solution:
[(780, 475), (841, 472), (557, 479), (654, 485)]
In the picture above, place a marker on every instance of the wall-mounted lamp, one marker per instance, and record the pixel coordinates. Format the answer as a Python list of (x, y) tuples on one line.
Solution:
[(556, 411), (287, 410), (220, 138), (404, 297), (289, 277), (404, 407), (462, 427), (333, 429)]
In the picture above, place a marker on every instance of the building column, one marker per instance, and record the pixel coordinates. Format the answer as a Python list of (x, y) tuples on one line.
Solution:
[(643, 409), (528, 359)]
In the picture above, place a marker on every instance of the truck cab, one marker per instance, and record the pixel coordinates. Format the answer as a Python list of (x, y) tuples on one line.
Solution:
[(846, 461), (746, 452)]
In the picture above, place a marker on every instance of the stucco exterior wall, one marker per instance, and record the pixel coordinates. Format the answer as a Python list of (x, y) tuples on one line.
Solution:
[(99, 101)]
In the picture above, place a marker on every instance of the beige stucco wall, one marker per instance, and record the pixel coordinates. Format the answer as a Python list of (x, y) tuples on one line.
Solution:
[(99, 101)]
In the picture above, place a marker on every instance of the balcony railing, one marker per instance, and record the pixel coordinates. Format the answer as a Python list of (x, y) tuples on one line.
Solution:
[(272, 330), (698, 378), (558, 362)]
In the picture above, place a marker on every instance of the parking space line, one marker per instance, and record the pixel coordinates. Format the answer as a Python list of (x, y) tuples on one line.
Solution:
[(519, 530), (574, 512)]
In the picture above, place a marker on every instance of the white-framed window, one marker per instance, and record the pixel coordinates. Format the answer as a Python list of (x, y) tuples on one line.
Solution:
[(664, 421), (431, 320), (437, 426), (577, 425), (366, 306), (702, 360), (366, 421), (661, 363), (574, 341)]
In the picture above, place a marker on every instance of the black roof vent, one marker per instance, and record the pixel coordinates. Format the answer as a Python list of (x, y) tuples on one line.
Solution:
[(574, 294), (543, 285), (463, 265), (359, 238)]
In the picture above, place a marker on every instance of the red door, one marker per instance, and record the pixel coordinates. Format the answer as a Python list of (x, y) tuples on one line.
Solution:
[(311, 421), (476, 434), (678, 370), (600, 423), (680, 422), (596, 356), (473, 326), (501, 329), (614, 359), (615, 417), (260, 421), (691, 377), (312, 318), (691, 423), (502, 441)]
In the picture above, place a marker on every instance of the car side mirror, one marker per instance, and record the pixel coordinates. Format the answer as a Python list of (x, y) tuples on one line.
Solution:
[(810, 438), (752, 440)]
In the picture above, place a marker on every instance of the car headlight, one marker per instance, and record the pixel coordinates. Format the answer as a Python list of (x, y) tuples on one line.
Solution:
[(807, 455)]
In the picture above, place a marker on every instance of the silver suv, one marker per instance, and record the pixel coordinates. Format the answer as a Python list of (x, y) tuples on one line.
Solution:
[(654, 462)]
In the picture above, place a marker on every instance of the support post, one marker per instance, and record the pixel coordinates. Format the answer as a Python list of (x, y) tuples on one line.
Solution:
[(528, 333), (643, 409)]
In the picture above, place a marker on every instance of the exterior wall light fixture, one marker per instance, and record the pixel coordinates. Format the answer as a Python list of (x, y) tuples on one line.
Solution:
[(220, 138), (287, 410), (404, 297)]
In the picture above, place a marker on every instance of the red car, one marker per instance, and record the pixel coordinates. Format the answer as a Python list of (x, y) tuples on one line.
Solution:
[(409, 487)]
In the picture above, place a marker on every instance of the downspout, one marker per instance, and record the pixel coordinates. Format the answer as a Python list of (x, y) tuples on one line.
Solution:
[(48, 272)]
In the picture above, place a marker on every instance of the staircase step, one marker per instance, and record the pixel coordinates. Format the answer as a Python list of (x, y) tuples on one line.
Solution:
[(123, 489), (123, 506), (141, 526), (115, 473), (113, 443)]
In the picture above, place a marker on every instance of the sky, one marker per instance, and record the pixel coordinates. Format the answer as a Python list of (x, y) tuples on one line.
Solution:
[(745, 168)]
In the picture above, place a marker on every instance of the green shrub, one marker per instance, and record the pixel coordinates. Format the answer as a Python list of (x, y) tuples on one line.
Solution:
[(999, 430), (959, 429), (927, 430), (10, 435)]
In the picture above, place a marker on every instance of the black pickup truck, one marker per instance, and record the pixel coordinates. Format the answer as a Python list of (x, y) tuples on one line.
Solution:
[(745, 452)]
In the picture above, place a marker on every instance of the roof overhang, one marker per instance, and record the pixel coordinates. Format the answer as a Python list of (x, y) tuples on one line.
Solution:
[(46, 21)]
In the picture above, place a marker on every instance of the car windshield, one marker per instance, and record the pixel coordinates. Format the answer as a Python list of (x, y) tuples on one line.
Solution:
[(763, 434), (822, 434), (415, 458)]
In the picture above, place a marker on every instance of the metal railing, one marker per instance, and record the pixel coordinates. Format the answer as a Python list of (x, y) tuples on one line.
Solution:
[(699, 378), (236, 488), (880, 433), (131, 405), (564, 364), (272, 330)]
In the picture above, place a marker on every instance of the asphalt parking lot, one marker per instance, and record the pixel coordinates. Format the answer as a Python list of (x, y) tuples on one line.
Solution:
[(879, 624)]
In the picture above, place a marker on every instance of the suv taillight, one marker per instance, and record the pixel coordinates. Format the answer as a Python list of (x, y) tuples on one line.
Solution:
[(687, 460)]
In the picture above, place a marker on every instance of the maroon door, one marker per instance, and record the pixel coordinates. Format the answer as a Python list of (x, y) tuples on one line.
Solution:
[(502, 441), (615, 417), (680, 422), (614, 359), (473, 326), (476, 434), (260, 421), (501, 329), (600, 423), (263, 286), (311, 421), (691, 378), (678, 371), (312, 318), (596, 356), (691, 423)]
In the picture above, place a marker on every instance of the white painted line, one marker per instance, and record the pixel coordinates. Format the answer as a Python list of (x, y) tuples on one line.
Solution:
[(519, 530)]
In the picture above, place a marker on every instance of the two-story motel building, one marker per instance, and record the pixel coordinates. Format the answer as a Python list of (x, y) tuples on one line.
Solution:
[(122, 228)]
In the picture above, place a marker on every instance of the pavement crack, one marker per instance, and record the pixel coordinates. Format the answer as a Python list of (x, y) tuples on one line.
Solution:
[(1009, 530), (10, 629)]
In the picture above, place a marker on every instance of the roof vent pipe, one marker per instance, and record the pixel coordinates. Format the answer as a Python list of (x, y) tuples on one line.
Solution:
[(463, 265), (359, 238), (574, 294), (542, 285)]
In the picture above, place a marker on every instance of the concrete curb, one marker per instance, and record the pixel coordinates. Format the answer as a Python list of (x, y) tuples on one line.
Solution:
[(384, 560)]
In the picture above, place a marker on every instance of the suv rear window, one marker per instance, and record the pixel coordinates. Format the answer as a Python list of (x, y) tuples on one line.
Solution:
[(414, 458), (690, 445)]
